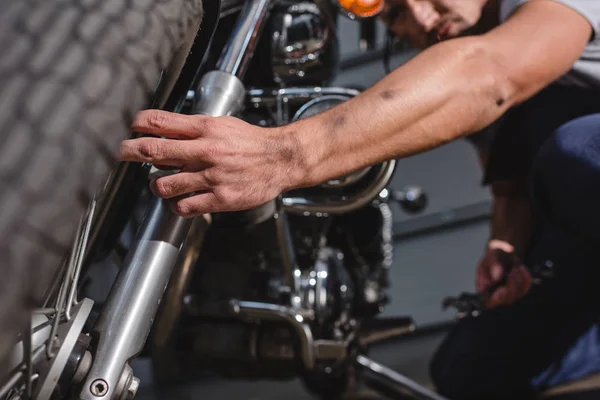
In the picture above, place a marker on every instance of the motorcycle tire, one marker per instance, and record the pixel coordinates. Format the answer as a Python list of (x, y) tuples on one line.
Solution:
[(73, 73)]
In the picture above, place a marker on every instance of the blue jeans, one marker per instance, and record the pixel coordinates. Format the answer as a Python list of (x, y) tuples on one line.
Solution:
[(566, 180), (552, 335)]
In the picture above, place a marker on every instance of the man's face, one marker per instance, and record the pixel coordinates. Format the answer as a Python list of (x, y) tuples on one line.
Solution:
[(427, 21)]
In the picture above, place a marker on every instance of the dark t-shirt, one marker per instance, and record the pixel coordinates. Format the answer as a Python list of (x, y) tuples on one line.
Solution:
[(523, 129)]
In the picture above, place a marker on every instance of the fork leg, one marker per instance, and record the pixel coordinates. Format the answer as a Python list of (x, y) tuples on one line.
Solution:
[(129, 311)]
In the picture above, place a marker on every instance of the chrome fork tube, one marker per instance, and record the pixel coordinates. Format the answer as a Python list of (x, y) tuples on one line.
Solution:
[(221, 92), (127, 317), (240, 49)]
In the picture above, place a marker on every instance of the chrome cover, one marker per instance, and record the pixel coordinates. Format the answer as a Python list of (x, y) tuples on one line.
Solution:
[(304, 44), (339, 196), (316, 106), (345, 203)]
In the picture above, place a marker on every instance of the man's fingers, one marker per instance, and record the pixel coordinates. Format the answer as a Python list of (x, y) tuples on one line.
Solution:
[(179, 184), (196, 205), (482, 282), (171, 125), (513, 287), (497, 298), (525, 280), (164, 152), (496, 272), (519, 282)]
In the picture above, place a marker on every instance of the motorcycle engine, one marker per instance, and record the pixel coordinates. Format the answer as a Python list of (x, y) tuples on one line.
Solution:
[(342, 262), (262, 347)]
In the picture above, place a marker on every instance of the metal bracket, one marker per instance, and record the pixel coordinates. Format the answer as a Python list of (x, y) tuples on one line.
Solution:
[(395, 382), (67, 335)]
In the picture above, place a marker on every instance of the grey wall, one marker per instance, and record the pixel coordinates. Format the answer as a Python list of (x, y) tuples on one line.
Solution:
[(428, 266)]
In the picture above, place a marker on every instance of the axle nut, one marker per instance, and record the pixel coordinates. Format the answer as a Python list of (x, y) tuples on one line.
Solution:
[(133, 388)]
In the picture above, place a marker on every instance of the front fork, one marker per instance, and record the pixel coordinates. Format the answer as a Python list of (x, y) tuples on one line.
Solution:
[(127, 317)]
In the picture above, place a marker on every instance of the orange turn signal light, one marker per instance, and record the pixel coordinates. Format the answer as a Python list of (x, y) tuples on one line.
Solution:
[(362, 8)]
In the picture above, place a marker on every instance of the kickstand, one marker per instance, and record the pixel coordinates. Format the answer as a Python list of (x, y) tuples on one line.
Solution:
[(392, 384)]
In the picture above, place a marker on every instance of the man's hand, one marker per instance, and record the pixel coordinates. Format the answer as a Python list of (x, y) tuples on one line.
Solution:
[(226, 164), (500, 262)]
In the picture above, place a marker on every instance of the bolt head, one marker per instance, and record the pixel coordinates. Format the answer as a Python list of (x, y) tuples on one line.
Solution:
[(133, 388), (99, 388)]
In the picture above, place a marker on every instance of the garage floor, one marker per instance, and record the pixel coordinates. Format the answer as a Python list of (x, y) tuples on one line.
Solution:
[(409, 357)]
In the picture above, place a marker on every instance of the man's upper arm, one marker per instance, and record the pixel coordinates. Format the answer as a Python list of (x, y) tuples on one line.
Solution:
[(538, 44), (589, 9)]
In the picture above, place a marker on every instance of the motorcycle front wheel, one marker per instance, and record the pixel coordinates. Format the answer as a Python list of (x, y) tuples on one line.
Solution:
[(73, 73)]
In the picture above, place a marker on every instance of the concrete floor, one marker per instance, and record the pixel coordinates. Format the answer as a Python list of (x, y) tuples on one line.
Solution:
[(408, 357)]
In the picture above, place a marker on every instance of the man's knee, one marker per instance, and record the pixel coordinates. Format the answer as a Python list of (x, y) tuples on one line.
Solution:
[(566, 176), (446, 375), (479, 360), (458, 365)]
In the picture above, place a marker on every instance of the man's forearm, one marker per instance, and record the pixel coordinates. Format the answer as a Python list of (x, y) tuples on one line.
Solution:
[(512, 222), (448, 91), (512, 216)]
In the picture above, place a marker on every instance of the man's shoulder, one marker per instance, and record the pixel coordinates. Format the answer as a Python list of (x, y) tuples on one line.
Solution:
[(586, 71), (590, 9)]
